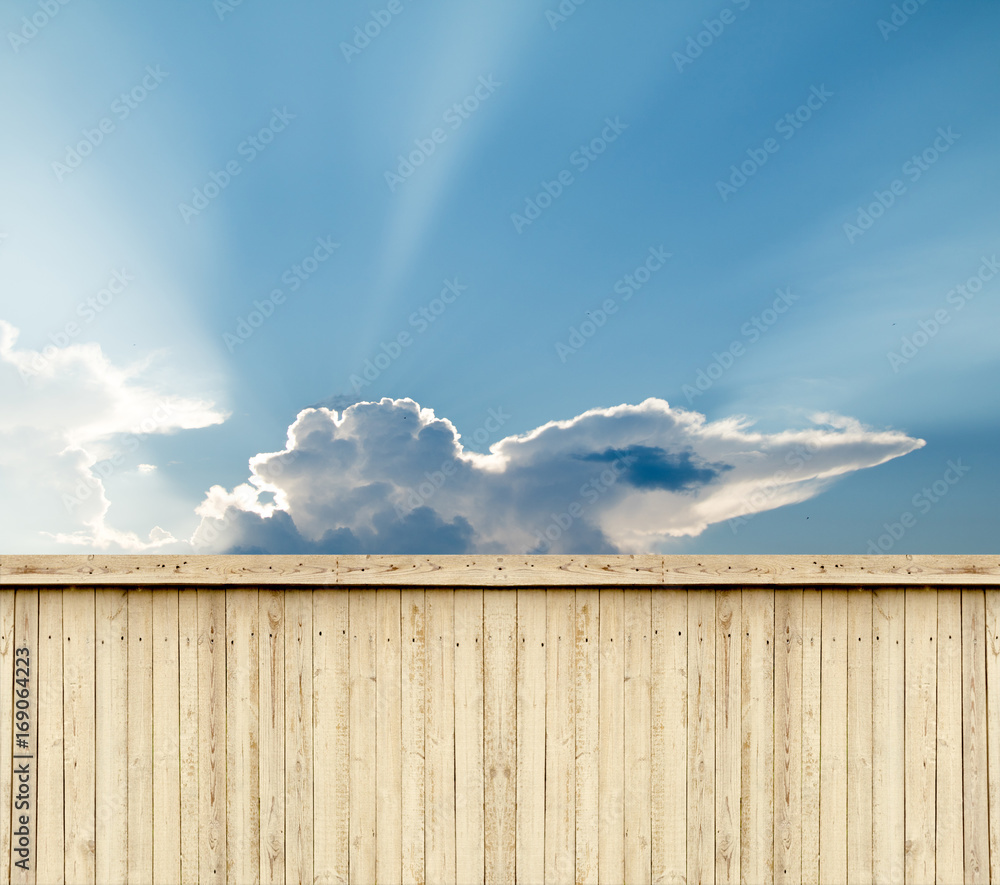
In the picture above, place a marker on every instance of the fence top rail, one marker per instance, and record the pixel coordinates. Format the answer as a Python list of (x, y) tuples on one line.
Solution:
[(498, 571)]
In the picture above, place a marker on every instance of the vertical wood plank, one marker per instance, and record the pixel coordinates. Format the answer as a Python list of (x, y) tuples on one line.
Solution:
[(638, 650), (757, 761), (531, 679), (949, 856), (50, 846), (611, 749), (331, 736), (587, 718), (26, 738), (414, 661), (920, 738), (974, 753), (888, 687), (242, 736), (560, 740), (859, 736), (439, 736), (728, 733), (833, 740), (140, 735), (271, 725), (812, 648), (388, 737), (211, 735), (298, 737), (993, 725), (187, 662), (701, 635), (500, 733), (7, 698), (470, 856), (363, 816), (110, 741), (166, 739), (668, 748), (788, 737)]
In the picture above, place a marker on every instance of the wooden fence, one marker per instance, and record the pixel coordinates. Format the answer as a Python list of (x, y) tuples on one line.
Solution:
[(500, 719)]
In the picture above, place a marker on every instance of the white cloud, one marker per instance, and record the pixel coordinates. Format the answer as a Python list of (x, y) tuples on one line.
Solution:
[(66, 411), (391, 477)]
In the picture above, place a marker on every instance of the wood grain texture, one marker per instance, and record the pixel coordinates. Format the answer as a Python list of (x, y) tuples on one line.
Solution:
[(439, 737), (211, 736), (812, 654), (187, 662), (560, 737), (25, 756), (388, 738), (530, 838), (166, 739), (299, 824), (363, 796), (833, 741), (638, 659), (50, 844), (975, 762), (611, 748), (7, 730), (949, 854), (271, 733), (414, 672), (992, 606), (859, 737), (470, 847), (728, 733), (701, 635), (787, 737), (587, 713), (510, 571)]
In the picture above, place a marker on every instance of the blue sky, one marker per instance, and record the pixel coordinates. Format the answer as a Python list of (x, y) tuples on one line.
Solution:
[(710, 252)]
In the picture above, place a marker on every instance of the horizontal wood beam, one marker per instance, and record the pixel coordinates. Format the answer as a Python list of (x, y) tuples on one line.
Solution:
[(498, 571)]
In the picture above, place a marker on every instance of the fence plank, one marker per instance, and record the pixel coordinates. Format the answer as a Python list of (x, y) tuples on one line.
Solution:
[(439, 737), (363, 814), (812, 653), (833, 740), (701, 738), (25, 756), (560, 730), (859, 737), (975, 766), (212, 735), (271, 730), (788, 737), (187, 655), (110, 739), (414, 650), (638, 635), (166, 739), (530, 840), (331, 736), (470, 850), (242, 736), (949, 855), (50, 844), (888, 697), (920, 739), (298, 737), (728, 733), (587, 717), (993, 725), (7, 698), (611, 748), (388, 738), (668, 738)]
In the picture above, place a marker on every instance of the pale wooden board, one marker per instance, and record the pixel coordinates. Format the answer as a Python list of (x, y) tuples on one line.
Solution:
[(6, 728), (788, 737), (363, 804), (388, 738), (211, 736), (50, 842), (859, 736), (728, 733), (974, 752), (331, 736), (242, 736), (530, 838), (560, 736), (949, 856), (140, 735), (611, 743), (188, 739), (298, 737), (79, 728), (812, 650), (701, 635), (470, 856), (993, 725), (757, 780), (888, 696), (439, 737), (166, 739), (920, 739), (587, 718), (833, 740), (110, 741), (638, 660), (683, 570), (500, 732), (413, 641), (24, 857), (271, 725)]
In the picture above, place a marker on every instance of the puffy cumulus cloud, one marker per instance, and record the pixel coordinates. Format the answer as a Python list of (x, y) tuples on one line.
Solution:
[(391, 477), (70, 419)]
